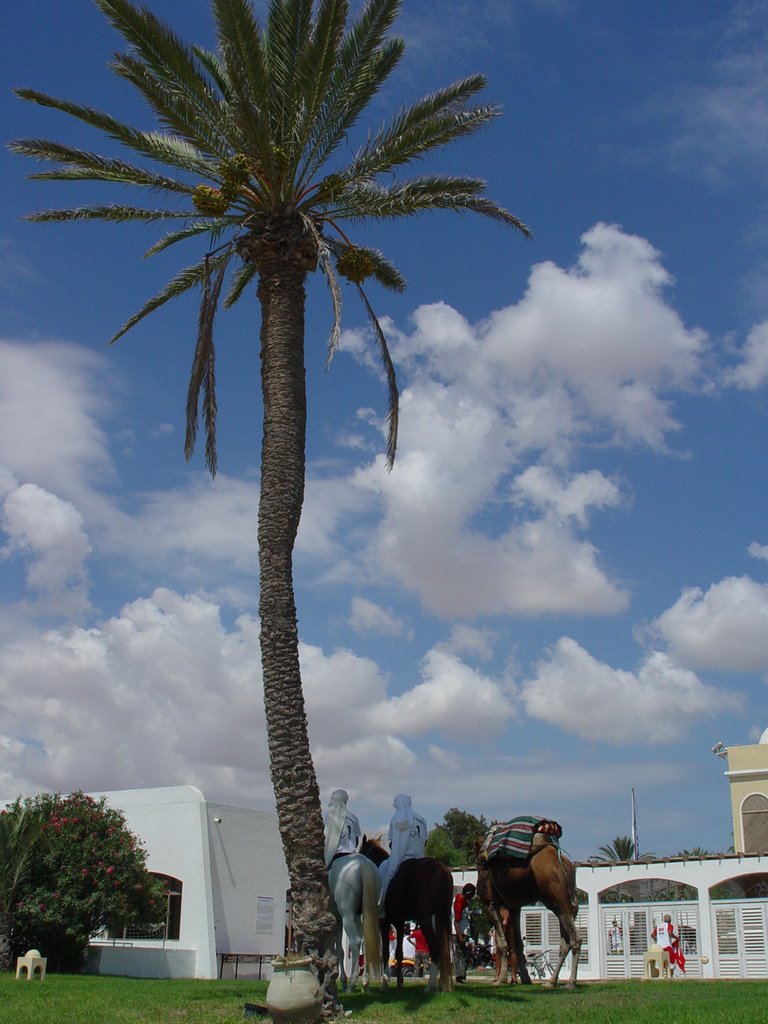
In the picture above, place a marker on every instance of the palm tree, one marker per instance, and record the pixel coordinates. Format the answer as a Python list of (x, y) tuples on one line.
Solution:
[(249, 157), (621, 849), (19, 829)]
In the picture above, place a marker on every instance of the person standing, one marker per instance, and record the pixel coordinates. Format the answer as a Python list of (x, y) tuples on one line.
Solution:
[(421, 955), (407, 840), (342, 829), (462, 921)]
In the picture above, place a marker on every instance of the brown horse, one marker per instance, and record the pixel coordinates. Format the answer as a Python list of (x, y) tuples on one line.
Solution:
[(547, 877), (421, 891)]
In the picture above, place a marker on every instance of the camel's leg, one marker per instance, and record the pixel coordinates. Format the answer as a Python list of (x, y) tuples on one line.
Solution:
[(569, 943), (517, 962), (502, 949)]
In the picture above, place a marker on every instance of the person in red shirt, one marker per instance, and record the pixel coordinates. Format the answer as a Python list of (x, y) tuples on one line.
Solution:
[(462, 905), (421, 956), (664, 935)]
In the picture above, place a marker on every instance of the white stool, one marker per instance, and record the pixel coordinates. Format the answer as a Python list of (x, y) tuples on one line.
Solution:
[(656, 962), (30, 963)]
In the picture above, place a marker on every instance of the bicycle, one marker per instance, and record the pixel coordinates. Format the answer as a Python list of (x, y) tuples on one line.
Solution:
[(538, 962)]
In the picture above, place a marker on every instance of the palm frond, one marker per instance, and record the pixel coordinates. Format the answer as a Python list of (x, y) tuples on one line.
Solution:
[(190, 277), (81, 164), (336, 119), (240, 281), (172, 237), (214, 65), (486, 207), (402, 198), (428, 192), (208, 131), (324, 252), (393, 413), (170, 60), (158, 146), (243, 57), (287, 37), (317, 61), (203, 375), (363, 63), (395, 147), (111, 212)]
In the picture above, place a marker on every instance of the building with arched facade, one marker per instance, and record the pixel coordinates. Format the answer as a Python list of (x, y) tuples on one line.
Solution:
[(718, 904), (748, 777)]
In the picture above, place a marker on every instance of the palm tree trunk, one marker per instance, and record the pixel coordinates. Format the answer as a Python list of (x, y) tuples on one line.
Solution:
[(297, 796)]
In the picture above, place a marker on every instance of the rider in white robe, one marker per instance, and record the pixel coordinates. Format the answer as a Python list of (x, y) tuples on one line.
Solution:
[(407, 840), (342, 829)]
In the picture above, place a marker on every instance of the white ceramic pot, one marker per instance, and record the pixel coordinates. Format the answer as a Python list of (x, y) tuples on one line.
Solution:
[(294, 995)]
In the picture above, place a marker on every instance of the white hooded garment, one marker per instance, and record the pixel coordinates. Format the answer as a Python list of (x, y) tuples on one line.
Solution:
[(334, 822), (407, 840)]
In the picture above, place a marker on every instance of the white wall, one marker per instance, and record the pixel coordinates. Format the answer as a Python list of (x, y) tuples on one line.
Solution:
[(227, 859), (248, 880), (172, 823)]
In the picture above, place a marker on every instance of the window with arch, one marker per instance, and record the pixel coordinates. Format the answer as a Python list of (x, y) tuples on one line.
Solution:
[(168, 926), (754, 822)]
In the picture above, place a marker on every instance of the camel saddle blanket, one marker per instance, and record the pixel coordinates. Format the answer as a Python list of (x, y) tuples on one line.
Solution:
[(519, 837)]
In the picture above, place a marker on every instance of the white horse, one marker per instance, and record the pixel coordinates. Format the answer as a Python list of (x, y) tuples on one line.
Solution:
[(354, 885)]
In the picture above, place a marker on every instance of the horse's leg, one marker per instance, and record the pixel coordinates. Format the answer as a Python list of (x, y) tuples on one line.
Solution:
[(370, 927), (444, 928), (338, 944), (385, 957), (355, 941), (400, 929), (427, 925)]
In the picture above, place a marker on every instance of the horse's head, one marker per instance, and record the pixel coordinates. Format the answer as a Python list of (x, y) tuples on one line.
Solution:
[(373, 849)]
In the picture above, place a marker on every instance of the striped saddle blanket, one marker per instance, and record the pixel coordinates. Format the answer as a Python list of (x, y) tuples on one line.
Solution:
[(515, 838)]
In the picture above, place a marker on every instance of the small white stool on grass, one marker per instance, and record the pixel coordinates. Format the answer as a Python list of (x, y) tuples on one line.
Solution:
[(30, 963), (656, 962)]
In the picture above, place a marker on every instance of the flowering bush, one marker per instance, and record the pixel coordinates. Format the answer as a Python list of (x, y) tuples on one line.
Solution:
[(87, 872)]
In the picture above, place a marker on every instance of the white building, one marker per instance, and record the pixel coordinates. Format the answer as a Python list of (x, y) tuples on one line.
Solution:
[(228, 884), (723, 922), (722, 938)]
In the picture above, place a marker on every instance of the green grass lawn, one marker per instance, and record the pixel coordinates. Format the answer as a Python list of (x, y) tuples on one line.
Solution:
[(71, 999)]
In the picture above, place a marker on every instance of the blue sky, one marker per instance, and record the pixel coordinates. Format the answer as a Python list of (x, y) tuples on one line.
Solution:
[(560, 591)]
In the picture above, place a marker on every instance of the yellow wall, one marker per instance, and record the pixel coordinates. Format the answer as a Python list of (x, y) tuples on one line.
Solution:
[(747, 774)]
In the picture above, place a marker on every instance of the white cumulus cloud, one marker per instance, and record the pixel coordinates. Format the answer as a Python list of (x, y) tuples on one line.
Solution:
[(581, 695), (724, 628)]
